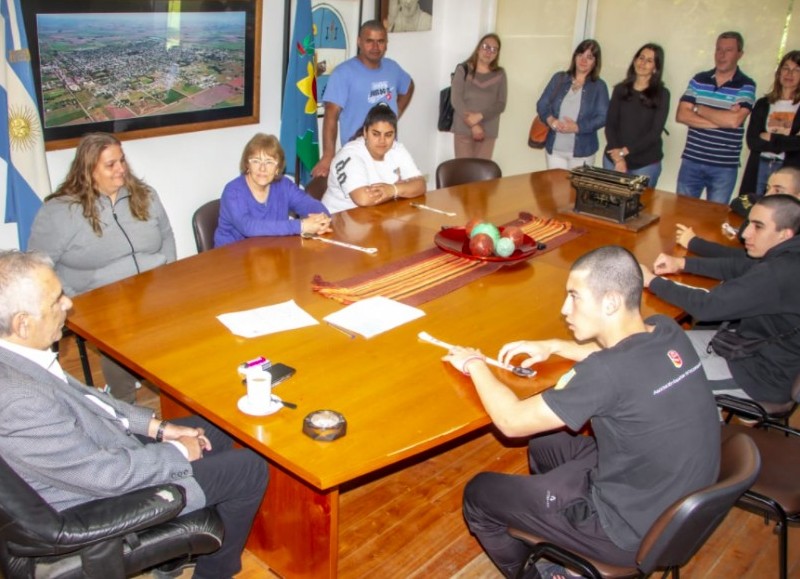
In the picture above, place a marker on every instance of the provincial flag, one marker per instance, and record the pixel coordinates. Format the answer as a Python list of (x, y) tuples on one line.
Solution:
[(299, 133), (21, 135)]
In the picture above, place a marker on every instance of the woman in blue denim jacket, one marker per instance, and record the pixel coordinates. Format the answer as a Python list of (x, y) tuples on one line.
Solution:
[(574, 106)]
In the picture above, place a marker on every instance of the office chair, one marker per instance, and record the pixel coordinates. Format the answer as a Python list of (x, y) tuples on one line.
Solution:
[(460, 171), (204, 224), (108, 538), (317, 187), (678, 533), (776, 491), (762, 412)]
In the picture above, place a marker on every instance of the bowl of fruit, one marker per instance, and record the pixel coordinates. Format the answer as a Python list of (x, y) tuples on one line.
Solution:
[(487, 242)]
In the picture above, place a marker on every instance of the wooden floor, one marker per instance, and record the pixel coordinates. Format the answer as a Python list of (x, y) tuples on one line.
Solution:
[(408, 523)]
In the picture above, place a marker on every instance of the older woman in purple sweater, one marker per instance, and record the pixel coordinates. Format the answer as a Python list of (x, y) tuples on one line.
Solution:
[(258, 201)]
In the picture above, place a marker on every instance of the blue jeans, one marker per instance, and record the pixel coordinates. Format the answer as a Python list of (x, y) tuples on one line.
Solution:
[(766, 167), (653, 170), (718, 182)]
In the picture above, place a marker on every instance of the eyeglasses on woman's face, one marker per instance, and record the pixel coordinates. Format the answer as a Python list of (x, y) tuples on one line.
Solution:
[(489, 48), (266, 163)]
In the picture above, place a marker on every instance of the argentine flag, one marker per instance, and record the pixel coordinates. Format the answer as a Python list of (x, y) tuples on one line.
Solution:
[(21, 136)]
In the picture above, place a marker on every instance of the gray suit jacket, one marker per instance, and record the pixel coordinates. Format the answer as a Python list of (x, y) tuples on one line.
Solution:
[(70, 450)]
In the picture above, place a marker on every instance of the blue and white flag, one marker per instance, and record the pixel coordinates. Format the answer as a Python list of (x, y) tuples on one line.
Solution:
[(299, 134), (21, 135)]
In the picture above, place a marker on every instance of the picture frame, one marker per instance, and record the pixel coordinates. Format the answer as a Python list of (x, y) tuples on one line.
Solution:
[(336, 23), (143, 69), (420, 22)]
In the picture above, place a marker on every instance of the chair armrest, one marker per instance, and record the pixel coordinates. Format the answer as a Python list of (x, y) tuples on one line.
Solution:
[(787, 430), (742, 407), (109, 518)]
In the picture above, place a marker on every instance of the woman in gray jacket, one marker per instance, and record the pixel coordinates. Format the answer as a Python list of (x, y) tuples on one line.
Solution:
[(101, 225)]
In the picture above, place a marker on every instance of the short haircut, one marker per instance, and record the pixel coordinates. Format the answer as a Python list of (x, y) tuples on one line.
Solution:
[(794, 174), (371, 25), (263, 143), (613, 269), (19, 292), (785, 211), (736, 36)]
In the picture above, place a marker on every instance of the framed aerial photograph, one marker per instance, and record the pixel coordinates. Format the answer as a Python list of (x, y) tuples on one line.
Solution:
[(142, 69)]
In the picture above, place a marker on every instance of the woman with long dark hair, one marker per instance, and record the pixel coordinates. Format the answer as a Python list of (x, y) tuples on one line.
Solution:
[(637, 115), (373, 167), (478, 92), (772, 135), (574, 105)]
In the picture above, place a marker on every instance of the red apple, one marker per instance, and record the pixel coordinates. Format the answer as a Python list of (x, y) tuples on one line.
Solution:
[(515, 234), (470, 225), (481, 245)]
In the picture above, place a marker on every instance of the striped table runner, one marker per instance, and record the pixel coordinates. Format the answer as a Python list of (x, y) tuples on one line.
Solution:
[(433, 273)]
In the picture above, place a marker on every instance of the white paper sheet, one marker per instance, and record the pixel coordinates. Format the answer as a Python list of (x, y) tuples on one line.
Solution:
[(373, 316), (267, 320)]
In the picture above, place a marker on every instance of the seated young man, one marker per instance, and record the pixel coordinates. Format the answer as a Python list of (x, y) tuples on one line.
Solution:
[(784, 181), (639, 384), (759, 291)]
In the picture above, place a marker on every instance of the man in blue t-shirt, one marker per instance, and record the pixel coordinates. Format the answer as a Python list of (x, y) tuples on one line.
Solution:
[(640, 385), (714, 107), (357, 85)]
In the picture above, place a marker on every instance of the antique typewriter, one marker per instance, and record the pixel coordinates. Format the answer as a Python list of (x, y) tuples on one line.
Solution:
[(607, 194)]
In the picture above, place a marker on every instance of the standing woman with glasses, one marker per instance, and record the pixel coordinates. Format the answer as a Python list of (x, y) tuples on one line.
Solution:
[(258, 202), (574, 105), (636, 117), (772, 135), (101, 225), (478, 93)]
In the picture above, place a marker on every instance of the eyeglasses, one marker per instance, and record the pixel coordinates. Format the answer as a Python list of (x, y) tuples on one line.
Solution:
[(264, 163), (790, 70), (489, 48)]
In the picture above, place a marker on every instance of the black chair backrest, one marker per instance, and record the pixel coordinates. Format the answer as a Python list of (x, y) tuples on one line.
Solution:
[(682, 529), (317, 187), (25, 518), (460, 171), (204, 224)]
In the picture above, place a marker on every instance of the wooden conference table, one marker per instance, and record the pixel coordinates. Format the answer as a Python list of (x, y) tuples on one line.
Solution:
[(399, 399)]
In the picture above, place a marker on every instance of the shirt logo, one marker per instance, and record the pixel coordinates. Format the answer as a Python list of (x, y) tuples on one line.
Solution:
[(675, 358)]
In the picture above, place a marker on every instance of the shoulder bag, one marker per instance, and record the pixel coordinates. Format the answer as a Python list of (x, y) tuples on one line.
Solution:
[(537, 135), (446, 111), (731, 345)]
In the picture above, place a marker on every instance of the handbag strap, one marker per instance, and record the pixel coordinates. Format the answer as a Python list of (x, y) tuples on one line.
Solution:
[(762, 341)]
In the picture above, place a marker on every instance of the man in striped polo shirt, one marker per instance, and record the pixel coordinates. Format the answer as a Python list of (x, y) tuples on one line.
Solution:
[(714, 107)]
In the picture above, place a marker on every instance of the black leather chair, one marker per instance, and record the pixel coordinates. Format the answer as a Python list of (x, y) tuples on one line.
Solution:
[(762, 412), (204, 224), (776, 491), (108, 538), (460, 171), (317, 187), (678, 533)]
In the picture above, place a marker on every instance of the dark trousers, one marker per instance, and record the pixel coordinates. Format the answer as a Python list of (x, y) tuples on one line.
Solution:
[(234, 481), (555, 503)]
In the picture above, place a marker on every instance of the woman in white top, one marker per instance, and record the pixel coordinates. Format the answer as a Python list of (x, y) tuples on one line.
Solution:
[(772, 134), (373, 168)]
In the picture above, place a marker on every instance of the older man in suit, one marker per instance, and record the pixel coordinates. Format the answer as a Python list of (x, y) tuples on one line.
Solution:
[(74, 444)]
